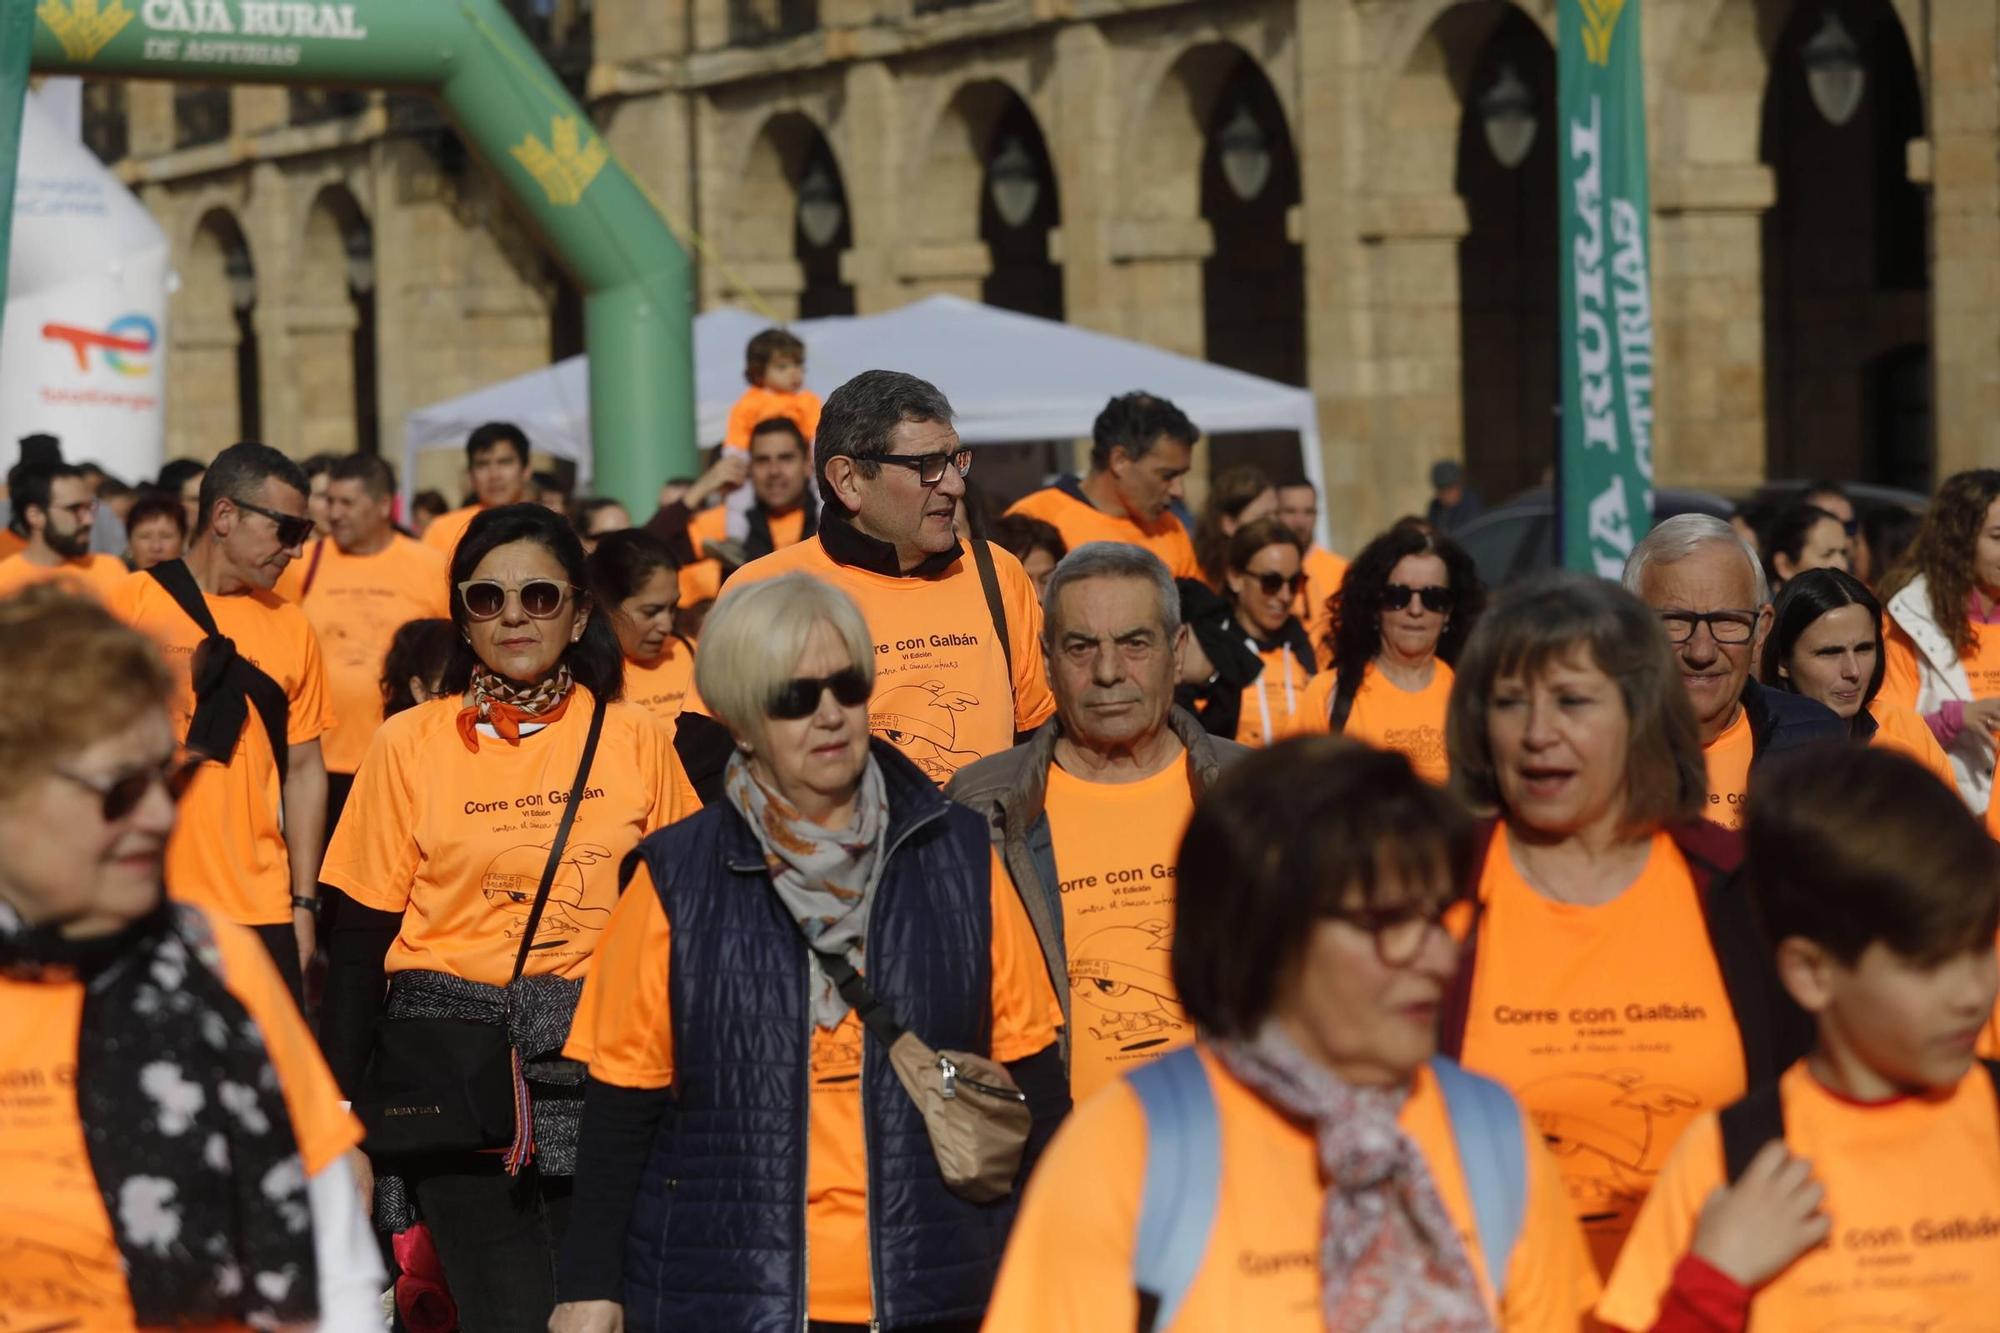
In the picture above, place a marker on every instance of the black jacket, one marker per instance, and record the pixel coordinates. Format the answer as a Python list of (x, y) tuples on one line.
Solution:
[(1781, 721)]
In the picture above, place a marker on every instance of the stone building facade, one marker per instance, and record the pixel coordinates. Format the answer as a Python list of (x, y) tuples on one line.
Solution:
[(1354, 195)]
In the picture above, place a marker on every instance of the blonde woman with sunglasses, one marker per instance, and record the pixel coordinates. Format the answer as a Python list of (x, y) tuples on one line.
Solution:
[(480, 898)]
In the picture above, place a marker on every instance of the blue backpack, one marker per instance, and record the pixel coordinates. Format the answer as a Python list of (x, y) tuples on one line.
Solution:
[(1184, 1173)]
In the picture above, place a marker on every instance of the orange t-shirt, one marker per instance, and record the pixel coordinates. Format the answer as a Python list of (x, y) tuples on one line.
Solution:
[(356, 604), (759, 404), (712, 525), (1902, 674), (1115, 845), (624, 1031), (1079, 521), (1610, 1023), (456, 841), (1272, 703), (445, 530), (1910, 1184), (942, 693), (1728, 758), (92, 574), (59, 1261), (1388, 717), (1323, 570), (11, 543), (1069, 1261), (1899, 728), (665, 685), (228, 847)]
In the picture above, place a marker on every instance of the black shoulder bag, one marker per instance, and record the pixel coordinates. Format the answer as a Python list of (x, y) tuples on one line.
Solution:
[(225, 683), (443, 1085)]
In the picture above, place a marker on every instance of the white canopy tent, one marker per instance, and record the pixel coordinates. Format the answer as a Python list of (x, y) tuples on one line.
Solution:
[(1010, 378)]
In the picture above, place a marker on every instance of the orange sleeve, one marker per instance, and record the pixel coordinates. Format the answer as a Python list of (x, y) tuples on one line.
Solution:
[(1025, 1011), (623, 1027), (669, 782), (312, 706), (373, 856), (1551, 1283), (1068, 1267), (1664, 1229), (1900, 675), (1180, 554), (1033, 703), (323, 1128)]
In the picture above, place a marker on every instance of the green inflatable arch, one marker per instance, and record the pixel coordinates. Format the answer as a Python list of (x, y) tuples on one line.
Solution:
[(504, 100)]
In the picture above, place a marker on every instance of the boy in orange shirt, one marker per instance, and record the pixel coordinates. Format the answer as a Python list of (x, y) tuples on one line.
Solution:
[(775, 364), (1882, 893)]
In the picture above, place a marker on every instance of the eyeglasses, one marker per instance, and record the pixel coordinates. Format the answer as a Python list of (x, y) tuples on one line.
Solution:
[(1723, 626), (121, 795), (930, 467), (1399, 933), (486, 598), (1273, 584), (80, 511), (1396, 596), (800, 696), (292, 529)]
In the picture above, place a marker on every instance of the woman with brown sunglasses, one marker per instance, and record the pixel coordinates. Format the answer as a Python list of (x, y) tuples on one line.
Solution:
[(1404, 609), (480, 899)]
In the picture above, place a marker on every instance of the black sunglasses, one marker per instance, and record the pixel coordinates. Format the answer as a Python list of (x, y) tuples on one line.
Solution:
[(292, 530), (930, 467), (486, 598), (799, 697), (1273, 584), (121, 795), (1396, 596)]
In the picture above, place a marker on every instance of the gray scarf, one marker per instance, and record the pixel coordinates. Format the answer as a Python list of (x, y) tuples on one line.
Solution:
[(825, 877)]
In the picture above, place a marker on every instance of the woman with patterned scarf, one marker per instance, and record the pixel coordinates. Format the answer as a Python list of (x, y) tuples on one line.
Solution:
[(445, 841), (174, 1150), (1328, 1170)]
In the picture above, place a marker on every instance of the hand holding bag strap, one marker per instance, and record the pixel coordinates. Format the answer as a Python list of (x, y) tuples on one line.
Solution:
[(562, 836)]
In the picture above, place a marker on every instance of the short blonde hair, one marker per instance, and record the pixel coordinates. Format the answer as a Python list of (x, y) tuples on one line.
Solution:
[(71, 676), (752, 641)]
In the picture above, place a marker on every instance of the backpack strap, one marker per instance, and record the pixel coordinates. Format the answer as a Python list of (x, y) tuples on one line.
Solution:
[(1748, 1125), (1486, 1127), (225, 683), (1183, 1182)]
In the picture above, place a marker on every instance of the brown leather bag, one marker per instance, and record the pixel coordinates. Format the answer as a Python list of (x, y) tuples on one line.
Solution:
[(977, 1117)]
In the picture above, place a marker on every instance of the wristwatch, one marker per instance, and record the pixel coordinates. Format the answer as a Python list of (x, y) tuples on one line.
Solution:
[(310, 904)]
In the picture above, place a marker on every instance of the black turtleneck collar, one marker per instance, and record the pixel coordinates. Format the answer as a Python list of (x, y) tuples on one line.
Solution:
[(849, 545)]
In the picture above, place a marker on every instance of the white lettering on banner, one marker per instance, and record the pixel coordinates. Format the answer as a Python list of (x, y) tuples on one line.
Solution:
[(261, 18), (197, 16), (241, 53), (1593, 336), (1610, 530), (1634, 296)]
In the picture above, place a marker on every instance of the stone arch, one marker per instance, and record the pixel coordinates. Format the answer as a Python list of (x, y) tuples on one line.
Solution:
[(791, 222), (332, 326), (219, 397)]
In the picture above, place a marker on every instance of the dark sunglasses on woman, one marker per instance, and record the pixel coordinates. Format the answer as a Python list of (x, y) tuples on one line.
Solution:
[(799, 697), (1273, 584), (486, 598), (122, 793), (1396, 596)]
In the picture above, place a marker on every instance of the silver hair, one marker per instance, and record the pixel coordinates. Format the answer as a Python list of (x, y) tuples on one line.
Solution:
[(1681, 536), (1112, 560)]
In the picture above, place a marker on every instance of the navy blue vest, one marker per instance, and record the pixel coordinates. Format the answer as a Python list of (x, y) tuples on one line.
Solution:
[(718, 1230)]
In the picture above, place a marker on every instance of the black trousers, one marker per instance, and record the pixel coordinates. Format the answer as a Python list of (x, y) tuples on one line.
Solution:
[(282, 942), (496, 1236)]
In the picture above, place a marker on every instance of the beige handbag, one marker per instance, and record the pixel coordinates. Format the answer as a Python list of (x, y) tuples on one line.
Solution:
[(977, 1117)]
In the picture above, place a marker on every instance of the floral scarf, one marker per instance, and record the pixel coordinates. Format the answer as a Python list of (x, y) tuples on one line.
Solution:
[(504, 705), (825, 877), (1390, 1259), (184, 1123)]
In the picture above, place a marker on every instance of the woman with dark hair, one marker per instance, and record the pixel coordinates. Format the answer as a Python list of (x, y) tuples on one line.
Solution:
[(1943, 649), (480, 896), (155, 529), (1826, 644), (1264, 573), (1403, 612), (1236, 498), (413, 668), (1803, 537), (1611, 972), (1037, 545), (1334, 1187)]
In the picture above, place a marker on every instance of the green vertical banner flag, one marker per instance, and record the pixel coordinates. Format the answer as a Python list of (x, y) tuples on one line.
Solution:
[(1606, 483), (17, 26)]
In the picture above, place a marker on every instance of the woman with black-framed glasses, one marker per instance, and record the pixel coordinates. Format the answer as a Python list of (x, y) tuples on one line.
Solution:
[(480, 901), (1405, 608)]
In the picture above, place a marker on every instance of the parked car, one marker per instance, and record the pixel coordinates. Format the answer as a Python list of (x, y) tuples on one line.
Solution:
[(1518, 538)]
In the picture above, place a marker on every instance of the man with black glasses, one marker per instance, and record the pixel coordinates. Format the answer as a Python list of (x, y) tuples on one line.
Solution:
[(250, 694), (958, 673), (1709, 590)]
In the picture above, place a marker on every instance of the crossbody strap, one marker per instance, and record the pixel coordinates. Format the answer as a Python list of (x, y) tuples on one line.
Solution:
[(989, 581), (312, 568), (562, 837), (860, 997)]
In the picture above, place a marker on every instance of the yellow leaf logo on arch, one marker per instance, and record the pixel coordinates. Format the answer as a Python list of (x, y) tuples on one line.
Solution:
[(83, 26), (565, 166), (1600, 25)]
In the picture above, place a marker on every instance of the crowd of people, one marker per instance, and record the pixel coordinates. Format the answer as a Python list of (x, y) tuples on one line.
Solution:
[(823, 906)]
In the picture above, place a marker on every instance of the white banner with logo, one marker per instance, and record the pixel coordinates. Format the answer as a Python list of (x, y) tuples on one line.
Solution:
[(83, 352)]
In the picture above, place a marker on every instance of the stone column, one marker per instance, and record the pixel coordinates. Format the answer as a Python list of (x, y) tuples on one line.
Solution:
[(1083, 143), (1964, 119), (869, 142)]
